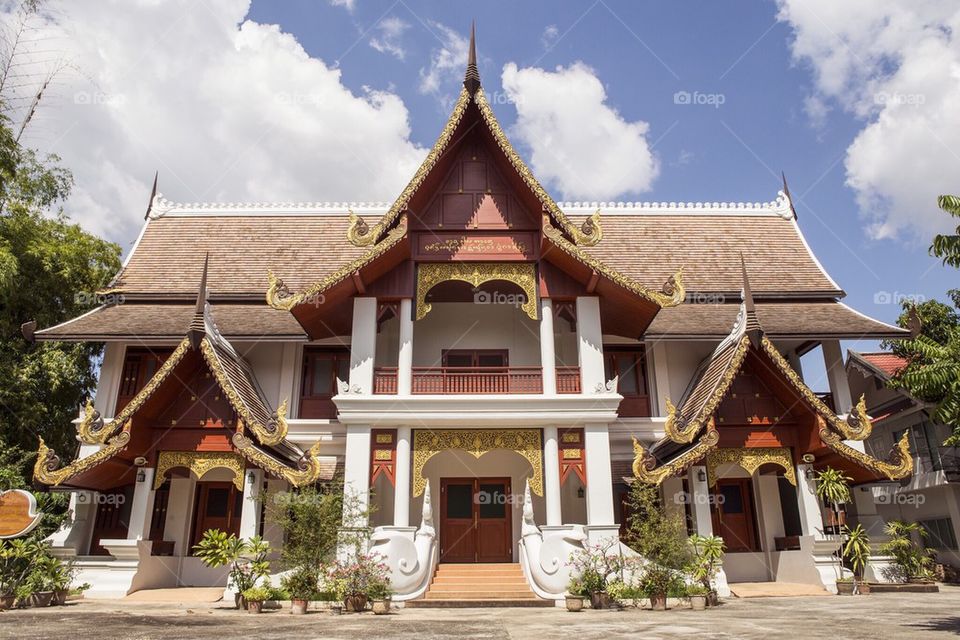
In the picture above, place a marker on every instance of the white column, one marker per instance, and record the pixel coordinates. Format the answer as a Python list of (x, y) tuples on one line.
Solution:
[(590, 344), (401, 492), (356, 474), (836, 375), (363, 344), (661, 376), (141, 510), (811, 517), (548, 351), (250, 511), (794, 359), (108, 386), (599, 479), (180, 514), (289, 366), (700, 500), (405, 357), (551, 476)]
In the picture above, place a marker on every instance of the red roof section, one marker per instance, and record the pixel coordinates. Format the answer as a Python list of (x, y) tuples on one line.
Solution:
[(889, 363)]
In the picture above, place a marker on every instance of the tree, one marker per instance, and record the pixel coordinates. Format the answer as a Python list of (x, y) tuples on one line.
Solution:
[(655, 532), (947, 246)]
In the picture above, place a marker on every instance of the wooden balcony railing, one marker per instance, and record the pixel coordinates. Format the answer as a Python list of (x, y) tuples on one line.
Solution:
[(385, 380), (568, 379), (467, 380)]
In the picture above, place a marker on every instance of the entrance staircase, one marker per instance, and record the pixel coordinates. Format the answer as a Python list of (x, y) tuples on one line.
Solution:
[(479, 585)]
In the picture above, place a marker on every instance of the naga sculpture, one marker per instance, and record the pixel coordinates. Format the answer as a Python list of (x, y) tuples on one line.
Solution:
[(411, 558), (545, 557)]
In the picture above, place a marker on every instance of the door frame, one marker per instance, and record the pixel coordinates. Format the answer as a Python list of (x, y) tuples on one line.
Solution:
[(750, 512), (475, 510)]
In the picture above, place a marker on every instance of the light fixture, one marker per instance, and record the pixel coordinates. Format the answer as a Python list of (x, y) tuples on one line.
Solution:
[(251, 477), (809, 473), (579, 492), (701, 475), (141, 475)]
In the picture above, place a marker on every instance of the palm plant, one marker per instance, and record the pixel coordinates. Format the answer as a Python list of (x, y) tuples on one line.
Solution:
[(857, 551), (913, 560), (947, 246), (247, 558), (707, 558), (833, 488)]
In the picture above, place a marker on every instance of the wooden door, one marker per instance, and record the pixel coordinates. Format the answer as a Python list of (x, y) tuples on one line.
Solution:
[(112, 519), (218, 506), (733, 514), (476, 520)]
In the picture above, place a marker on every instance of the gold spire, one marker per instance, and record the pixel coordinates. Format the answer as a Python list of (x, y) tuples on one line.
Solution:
[(471, 79)]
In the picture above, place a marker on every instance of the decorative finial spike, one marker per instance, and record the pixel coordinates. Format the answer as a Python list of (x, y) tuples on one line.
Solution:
[(198, 326), (753, 327), (471, 80), (747, 293), (153, 195), (786, 192)]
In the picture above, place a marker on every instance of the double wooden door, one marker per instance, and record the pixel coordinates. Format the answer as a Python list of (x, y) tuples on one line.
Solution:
[(218, 506), (475, 520), (734, 518)]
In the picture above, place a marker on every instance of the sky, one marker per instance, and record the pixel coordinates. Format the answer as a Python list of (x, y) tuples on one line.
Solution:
[(336, 100)]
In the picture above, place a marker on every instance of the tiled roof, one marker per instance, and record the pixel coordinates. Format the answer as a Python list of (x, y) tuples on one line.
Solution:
[(888, 363)]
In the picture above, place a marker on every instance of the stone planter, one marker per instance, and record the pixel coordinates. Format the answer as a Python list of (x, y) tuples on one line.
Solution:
[(298, 607), (846, 588), (355, 604), (60, 597), (698, 603), (41, 599), (336, 609), (381, 607), (658, 602), (574, 603), (6, 602), (255, 606)]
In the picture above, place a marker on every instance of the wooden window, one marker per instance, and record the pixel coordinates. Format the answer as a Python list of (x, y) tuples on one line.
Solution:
[(630, 366), (218, 506), (321, 368), (475, 358), (139, 365)]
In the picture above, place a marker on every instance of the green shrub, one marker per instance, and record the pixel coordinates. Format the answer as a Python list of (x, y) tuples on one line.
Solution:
[(257, 594)]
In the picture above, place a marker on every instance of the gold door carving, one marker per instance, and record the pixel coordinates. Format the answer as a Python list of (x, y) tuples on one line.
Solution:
[(751, 459), (199, 463), (522, 274)]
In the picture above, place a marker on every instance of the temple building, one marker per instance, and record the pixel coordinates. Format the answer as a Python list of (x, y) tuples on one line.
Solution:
[(489, 367)]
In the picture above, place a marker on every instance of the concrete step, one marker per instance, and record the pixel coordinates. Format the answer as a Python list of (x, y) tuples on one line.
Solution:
[(479, 585), (481, 595), (465, 603), (445, 579)]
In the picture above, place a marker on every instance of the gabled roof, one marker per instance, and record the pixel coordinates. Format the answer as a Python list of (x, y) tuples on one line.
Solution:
[(882, 364), (270, 450), (690, 429)]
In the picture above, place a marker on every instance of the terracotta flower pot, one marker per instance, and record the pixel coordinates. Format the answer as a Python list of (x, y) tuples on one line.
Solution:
[(600, 600), (381, 607), (60, 597), (6, 602), (698, 603), (574, 603), (355, 603), (658, 602), (713, 599), (298, 607), (239, 601), (255, 606)]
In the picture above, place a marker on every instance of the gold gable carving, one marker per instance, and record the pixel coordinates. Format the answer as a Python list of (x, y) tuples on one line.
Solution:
[(200, 463), (522, 274), (751, 459)]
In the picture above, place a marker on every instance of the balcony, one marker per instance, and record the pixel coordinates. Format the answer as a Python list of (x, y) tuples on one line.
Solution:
[(476, 380)]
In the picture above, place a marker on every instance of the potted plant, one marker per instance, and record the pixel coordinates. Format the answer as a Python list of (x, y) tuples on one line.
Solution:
[(255, 597), (302, 585), (16, 564), (594, 566), (41, 581), (914, 562), (657, 582), (704, 566), (379, 594), (575, 594), (856, 551), (353, 578), (247, 559), (833, 488), (62, 576), (697, 593)]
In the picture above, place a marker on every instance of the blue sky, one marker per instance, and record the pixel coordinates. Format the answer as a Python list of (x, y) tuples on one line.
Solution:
[(644, 53)]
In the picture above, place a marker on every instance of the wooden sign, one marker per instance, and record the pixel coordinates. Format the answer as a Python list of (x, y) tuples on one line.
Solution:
[(472, 246), (18, 513)]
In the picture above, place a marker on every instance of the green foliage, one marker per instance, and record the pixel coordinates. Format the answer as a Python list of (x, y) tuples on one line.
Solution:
[(655, 532), (597, 565), (658, 580), (706, 558), (913, 560), (302, 584), (247, 558), (49, 270), (937, 322), (856, 549), (14, 469), (833, 487), (256, 594), (363, 574), (947, 246), (576, 587)]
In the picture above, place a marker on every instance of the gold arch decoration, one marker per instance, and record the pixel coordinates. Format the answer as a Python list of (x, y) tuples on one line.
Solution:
[(527, 442), (522, 274), (200, 463), (750, 459), (307, 471)]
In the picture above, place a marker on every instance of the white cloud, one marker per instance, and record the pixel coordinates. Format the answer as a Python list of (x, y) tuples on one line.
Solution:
[(225, 109), (349, 5), (549, 37), (389, 34), (579, 144), (447, 63), (896, 66)]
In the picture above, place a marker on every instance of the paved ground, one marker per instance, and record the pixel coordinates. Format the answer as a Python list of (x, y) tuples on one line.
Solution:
[(885, 616)]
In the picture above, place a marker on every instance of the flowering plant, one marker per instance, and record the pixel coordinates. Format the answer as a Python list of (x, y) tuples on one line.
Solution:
[(597, 564), (362, 575)]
